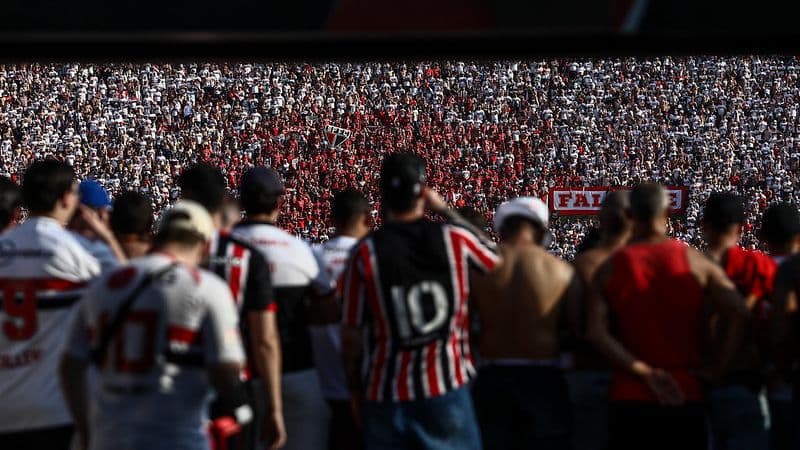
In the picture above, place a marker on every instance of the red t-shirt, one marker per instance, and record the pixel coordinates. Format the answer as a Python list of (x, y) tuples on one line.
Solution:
[(752, 271), (656, 308)]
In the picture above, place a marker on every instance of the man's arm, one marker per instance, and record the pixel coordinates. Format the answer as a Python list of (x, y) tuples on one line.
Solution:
[(265, 342), (783, 299), (572, 300), (727, 301), (259, 312), (72, 372), (103, 232)]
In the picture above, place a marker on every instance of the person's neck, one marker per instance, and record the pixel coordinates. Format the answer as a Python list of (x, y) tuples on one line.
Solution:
[(350, 232), (270, 218), (179, 254), (716, 250), (404, 217), (61, 218), (612, 243), (648, 232)]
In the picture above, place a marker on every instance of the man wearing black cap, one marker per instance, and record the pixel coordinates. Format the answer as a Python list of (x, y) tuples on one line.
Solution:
[(246, 271), (294, 270), (405, 302), (737, 408)]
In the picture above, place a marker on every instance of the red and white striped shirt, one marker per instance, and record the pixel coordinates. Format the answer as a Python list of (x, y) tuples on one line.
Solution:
[(407, 286)]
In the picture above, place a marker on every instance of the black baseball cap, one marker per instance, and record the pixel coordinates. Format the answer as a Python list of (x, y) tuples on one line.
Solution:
[(262, 179), (722, 210), (781, 223), (403, 177)]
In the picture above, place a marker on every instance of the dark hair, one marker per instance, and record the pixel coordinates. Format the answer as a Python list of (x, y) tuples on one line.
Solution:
[(722, 210), (203, 184), (348, 205), (514, 224), (613, 214), (474, 217), (44, 183), (255, 200), (132, 214), (403, 176), (780, 224), (648, 201), (591, 240), (10, 200)]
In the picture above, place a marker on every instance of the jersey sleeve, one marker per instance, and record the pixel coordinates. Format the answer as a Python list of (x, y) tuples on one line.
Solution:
[(478, 255), (259, 294), (353, 288), (222, 341)]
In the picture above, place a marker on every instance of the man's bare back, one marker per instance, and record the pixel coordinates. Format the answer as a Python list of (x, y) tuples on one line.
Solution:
[(523, 303)]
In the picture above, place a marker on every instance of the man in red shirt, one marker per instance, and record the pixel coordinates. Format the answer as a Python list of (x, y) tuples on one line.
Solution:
[(737, 408), (656, 291)]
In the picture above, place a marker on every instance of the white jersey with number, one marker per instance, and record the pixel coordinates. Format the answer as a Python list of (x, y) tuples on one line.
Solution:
[(43, 272), (332, 257), (153, 391)]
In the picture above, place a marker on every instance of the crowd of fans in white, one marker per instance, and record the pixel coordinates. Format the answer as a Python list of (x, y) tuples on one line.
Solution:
[(489, 131)]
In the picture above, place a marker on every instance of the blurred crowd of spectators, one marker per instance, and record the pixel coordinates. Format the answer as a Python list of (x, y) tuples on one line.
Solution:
[(489, 131)]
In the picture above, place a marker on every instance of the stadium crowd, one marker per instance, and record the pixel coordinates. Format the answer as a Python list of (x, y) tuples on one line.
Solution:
[(489, 131)]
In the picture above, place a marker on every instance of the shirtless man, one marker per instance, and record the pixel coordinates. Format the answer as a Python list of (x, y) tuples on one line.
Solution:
[(657, 291), (590, 381), (521, 396)]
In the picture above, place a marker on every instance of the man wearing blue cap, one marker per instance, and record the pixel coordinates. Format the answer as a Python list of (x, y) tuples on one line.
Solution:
[(91, 225)]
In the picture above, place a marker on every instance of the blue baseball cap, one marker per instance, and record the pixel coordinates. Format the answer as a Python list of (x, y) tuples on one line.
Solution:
[(94, 195), (261, 179)]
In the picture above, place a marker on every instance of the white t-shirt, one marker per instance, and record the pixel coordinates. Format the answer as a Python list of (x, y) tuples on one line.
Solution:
[(45, 270), (153, 391), (326, 339)]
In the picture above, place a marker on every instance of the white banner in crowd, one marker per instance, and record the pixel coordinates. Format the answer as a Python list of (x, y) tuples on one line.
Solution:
[(588, 200)]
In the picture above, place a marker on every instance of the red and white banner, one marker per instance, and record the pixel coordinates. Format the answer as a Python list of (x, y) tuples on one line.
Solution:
[(588, 200)]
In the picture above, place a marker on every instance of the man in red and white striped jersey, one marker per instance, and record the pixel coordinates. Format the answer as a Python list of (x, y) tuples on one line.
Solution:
[(43, 272), (405, 297)]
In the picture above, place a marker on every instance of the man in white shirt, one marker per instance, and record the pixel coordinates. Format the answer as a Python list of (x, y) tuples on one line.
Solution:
[(43, 271), (162, 334), (350, 214), (294, 274)]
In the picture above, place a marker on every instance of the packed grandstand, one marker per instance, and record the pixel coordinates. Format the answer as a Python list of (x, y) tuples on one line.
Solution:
[(489, 131)]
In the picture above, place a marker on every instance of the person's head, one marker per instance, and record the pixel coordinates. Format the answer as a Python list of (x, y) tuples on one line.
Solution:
[(10, 203), (474, 217), (723, 219), (184, 231), (205, 185), (649, 208), (261, 193), (614, 221), (523, 220), (49, 189), (591, 240), (780, 228), (92, 195), (132, 223), (350, 212), (402, 184)]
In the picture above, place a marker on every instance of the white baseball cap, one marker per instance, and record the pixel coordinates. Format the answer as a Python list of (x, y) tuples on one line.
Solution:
[(188, 216), (531, 208)]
